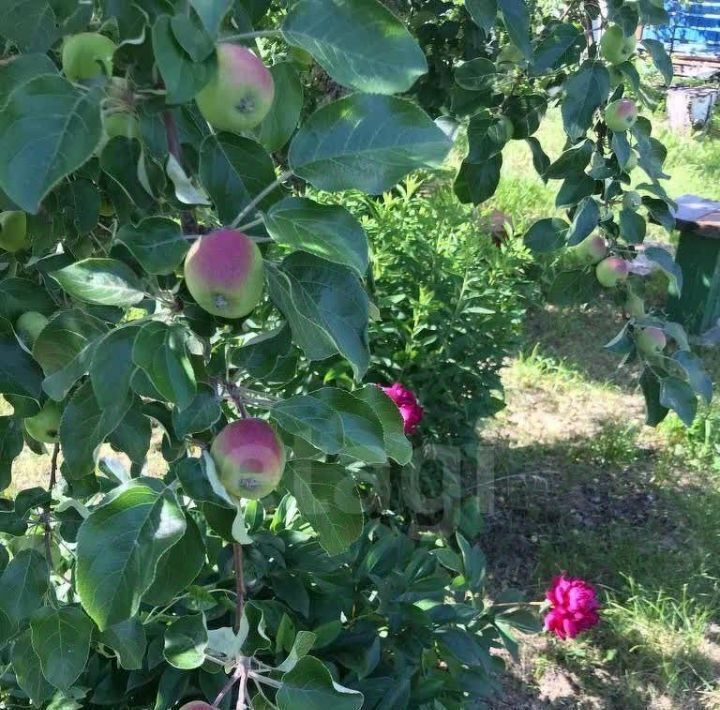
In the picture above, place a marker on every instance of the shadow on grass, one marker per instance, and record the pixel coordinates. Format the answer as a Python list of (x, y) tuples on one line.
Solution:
[(646, 534)]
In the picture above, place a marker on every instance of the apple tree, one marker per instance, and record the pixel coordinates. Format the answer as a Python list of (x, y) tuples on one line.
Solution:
[(199, 535)]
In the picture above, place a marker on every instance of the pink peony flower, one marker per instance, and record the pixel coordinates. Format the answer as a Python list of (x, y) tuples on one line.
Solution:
[(573, 607), (410, 410)]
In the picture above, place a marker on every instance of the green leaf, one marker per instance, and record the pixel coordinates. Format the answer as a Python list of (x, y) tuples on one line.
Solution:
[(698, 378), (64, 350), (572, 161), (282, 119), (541, 162), (665, 261), (11, 446), (178, 567), (234, 170), (396, 443), (185, 642), (61, 639), (309, 686), (360, 43), (487, 136), (211, 13), (22, 68), (678, 395), (192, 37), (477, 182), (48, 129), (517, 23), (586, 218), (161, 351), (103, 282), (183, 78), (483, 13), (269, 356), (120, 161), (561, 46), (302, 645), (655, 411), (119, 546), (326, 307), (18, 296), (128, 640), (83, 427), (585, 90), (311, 419), (19, 373), (112, 367), (476, 75), (525, 111), (157, 243), (328, 231), (23, 585), (26, 665), (366, 142), (30, 24), (199, 415), (632, 226), (328, 499), (132, 435), (546, 235), (660, 58)]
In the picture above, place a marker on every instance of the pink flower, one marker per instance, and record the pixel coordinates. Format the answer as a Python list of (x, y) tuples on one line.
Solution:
[(573, 607), (410, 410)]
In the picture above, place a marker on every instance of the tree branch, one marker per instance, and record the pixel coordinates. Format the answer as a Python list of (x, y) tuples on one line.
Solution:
[(47, 509)]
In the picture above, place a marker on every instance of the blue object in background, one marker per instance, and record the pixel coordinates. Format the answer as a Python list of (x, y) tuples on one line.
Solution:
[(694, 28)]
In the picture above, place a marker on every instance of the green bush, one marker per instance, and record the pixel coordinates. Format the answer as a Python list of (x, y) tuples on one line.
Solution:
[(451, 303)]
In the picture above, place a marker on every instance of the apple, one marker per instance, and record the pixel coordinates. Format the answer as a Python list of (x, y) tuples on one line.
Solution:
[(106, 208), (197, 705), (615, 46), (621, 115), (634, 305), (87, 55), (119, 123), (45, 425), (240, 94), (29, 325), (591, 249), (250, 458), (612, 271), (13, 231), (650, 341), (631, 200), (224, 273)]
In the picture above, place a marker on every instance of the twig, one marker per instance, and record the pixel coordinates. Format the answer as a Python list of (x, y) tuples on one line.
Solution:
[(239, 584), (249, 225), (47, 510), (242, 688), (188, 222), (229, 685), (283, 177), (252, 35)]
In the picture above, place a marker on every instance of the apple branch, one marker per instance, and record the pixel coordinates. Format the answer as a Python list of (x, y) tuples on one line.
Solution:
[(187, 220), (239, 584), (47, 510), (283, 177)]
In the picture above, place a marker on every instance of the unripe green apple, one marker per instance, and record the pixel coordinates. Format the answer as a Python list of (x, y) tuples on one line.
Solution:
[(650, 341), (45, 425), (106, 208), (250, 458), (612, 271), (29, 325), (87, 55), (224, 272), (632, 200), (634, 305), (621, 115), (615, 46), (240, 94), (591, 249), (13, 231), (119, 123)]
